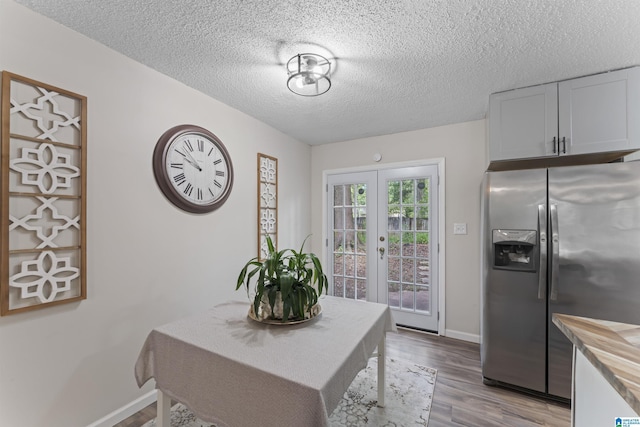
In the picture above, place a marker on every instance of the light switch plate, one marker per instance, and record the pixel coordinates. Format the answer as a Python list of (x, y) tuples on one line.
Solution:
[(460, 228)]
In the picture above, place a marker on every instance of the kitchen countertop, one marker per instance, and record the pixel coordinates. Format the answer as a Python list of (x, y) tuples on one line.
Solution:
[(613, 348)]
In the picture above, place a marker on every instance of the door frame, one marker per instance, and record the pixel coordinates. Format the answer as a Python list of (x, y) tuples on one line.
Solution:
[(440, 163)]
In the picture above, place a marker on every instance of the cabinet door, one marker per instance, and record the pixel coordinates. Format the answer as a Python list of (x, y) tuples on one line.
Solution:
[(600, 113), (523, 123)]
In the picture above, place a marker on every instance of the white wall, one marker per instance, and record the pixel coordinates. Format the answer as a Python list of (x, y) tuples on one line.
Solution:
[(148, 262), (463, 147)]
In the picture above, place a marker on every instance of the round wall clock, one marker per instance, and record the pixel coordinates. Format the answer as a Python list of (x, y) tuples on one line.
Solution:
[(193, 168)]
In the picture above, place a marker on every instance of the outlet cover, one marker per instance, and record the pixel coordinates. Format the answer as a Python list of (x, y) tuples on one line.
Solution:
[(460, 228)]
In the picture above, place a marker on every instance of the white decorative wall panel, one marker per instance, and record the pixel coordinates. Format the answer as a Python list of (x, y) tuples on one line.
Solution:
[(267, 202), (43, 188)]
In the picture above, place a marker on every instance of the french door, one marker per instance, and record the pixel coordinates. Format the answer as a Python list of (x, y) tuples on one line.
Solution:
[(383, 240)]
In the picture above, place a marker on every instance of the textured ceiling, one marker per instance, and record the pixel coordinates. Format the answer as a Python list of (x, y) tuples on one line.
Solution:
[(401, 64)]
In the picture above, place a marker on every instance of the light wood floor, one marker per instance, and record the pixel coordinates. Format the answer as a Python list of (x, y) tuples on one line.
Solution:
[(460, 397)]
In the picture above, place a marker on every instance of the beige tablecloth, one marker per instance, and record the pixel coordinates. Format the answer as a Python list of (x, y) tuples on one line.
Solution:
[(233, 371)]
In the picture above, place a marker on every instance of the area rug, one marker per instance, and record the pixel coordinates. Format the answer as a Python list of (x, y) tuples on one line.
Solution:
[(408, 399)]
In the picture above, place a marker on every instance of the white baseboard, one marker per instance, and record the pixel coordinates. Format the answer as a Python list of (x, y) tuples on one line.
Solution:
[(464, 336), (126, 411)]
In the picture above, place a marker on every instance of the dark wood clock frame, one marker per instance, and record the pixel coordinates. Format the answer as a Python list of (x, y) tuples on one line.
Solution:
[(163, 177)]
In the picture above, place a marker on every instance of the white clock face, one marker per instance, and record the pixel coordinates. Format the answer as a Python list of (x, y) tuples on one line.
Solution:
[(197, 169)]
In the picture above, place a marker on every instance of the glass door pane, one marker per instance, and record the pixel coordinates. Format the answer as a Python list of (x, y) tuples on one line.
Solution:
[(348, 239), (409, 283), (408, 259)]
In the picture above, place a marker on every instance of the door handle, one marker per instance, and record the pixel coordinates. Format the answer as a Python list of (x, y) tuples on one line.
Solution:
[(381, 250), (554, 145), (564, 145), (555, 252), (542, 227)]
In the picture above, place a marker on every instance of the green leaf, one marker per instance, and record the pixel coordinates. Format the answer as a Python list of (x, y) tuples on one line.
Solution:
[(273, 293), (243, 272), (303, 298), (286, 284), (286, 309), (241, 277), (256, 302), (270, 245), (303, 242)]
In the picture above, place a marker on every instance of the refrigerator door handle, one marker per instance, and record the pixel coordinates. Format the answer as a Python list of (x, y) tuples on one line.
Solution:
[(555, 252), (542, 274)]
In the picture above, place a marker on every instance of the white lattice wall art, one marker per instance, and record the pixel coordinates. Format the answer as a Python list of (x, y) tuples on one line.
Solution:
[(43, 186), (267, 202)]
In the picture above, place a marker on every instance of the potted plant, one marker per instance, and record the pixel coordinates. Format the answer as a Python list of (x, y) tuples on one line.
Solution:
[(287, 285)]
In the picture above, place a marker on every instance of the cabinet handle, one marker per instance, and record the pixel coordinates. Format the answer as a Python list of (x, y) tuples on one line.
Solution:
[(554, 145), (564, 145)]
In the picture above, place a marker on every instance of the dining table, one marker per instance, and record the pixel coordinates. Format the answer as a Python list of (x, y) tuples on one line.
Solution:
[(234, 371)]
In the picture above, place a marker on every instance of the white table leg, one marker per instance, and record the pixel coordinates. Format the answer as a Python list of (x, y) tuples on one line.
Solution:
[(163, 417), (381, 370)]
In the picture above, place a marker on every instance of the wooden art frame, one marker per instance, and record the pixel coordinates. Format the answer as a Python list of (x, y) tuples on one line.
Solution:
[(43, 167), (267, 202)]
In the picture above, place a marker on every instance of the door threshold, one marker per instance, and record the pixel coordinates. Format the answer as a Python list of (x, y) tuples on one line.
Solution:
[(413, 328)]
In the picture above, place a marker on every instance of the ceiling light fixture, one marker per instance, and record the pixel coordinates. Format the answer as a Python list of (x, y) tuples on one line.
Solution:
[(308, 74)]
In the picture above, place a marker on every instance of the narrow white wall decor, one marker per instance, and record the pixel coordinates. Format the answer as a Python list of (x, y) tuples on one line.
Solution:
[(267, 202), (43, 195)]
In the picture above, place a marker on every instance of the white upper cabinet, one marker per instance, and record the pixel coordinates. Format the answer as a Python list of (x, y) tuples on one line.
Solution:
[(600, 113), (594, 114), (523, 123)]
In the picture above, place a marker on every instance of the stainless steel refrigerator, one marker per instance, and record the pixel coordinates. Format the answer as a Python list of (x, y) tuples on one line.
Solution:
[(556, 240)]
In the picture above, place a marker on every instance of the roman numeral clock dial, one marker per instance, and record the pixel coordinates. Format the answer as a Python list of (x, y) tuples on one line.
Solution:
[(193, 168)]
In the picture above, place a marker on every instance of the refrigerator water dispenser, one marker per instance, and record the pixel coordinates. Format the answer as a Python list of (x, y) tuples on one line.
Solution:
[(514, 249)]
